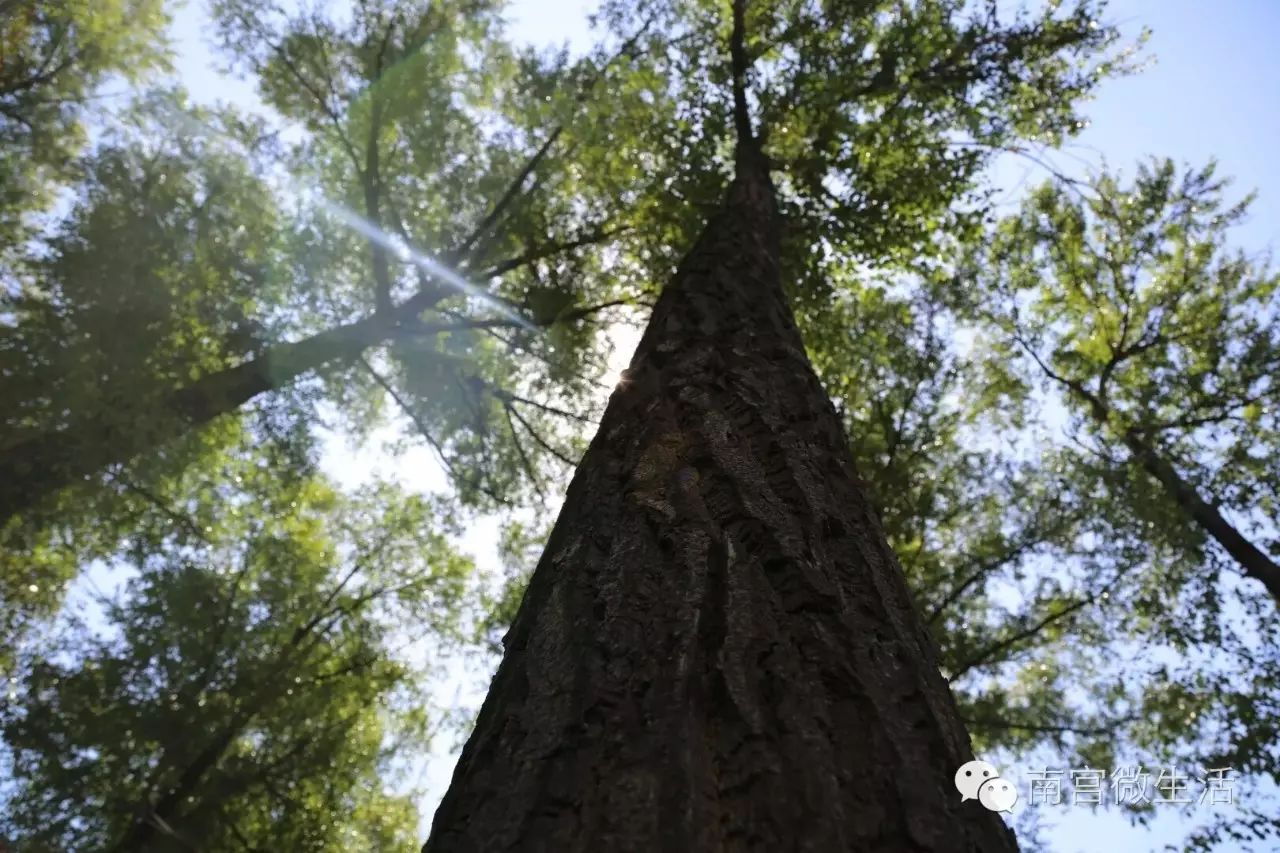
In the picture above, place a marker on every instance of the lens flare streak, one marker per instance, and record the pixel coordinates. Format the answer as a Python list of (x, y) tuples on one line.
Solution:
[(402, 250), (428, 264)]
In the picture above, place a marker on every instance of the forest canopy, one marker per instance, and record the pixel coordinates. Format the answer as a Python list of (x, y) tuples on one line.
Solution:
[(293, 384)]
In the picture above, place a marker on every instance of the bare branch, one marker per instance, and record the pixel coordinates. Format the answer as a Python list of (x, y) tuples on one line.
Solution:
[(549, 409), (537, 436), (1046, 728), (181, 519), (524, 457), (1031, 630)]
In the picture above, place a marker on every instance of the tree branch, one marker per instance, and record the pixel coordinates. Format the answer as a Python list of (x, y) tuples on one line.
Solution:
[(537, 436), (548, 250), (740, 64), (425, 431)]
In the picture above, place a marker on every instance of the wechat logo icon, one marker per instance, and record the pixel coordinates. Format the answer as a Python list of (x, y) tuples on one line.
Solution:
[(980, 780)]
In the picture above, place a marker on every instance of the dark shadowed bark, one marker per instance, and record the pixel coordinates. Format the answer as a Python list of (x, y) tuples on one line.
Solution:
[(717, 650)]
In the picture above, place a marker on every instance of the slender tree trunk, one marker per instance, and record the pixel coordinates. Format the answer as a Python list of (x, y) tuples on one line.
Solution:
[(49, 462), (157, 819), (717, 650), (1252, 560)]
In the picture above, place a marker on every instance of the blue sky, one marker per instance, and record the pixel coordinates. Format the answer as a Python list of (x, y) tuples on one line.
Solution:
[(1213, 92)]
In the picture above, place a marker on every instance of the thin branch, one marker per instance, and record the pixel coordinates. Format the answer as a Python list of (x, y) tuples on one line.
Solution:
[(1099, 409), (537, 436), (491, 219), (549, 250), (524, 457), (159, 503), (1046, 728), (549, 409), (426, 434), (978, 574), (1030, 631), (325, 107), (507, 199)]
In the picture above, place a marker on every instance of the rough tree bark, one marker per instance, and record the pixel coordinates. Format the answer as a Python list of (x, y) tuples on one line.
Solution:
[(717, 650)]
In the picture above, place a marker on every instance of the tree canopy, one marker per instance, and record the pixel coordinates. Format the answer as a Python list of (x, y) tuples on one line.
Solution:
[(244, 689), (1066, 416)]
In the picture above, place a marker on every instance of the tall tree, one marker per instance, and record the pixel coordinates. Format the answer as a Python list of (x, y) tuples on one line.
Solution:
[(1062, 641), (658, 136), (717, 647), (162, 269), (1118, 314), (618, 164), (251, 688), (1164, 343)]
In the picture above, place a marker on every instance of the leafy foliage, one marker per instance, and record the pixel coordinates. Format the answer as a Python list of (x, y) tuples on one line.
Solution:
[(250, 688), (1124, 307), (52, 58), (475, 215), (1159, 336), (161, 270), (422, 126)]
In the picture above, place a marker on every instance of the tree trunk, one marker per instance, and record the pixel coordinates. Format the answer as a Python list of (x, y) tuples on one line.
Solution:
[(39, 467), (156, 819), (717, 650), (1251, 559)]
